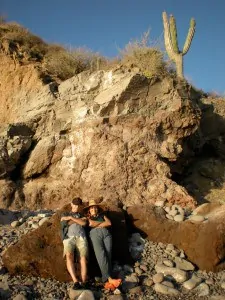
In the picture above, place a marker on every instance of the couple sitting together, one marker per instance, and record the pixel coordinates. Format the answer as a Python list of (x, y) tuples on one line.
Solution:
[(74, 239)]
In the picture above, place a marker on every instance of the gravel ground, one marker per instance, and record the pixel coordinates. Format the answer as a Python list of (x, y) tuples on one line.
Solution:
[(138, 280)]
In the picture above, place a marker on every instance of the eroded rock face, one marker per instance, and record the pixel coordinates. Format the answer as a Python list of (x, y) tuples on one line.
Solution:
[(40, 252), (202, 171), (202, 242), (7, 190), (106, 133), (15, 141)]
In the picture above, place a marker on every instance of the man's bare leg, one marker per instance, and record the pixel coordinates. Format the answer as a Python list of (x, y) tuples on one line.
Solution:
[(83, 267), (70, 266)]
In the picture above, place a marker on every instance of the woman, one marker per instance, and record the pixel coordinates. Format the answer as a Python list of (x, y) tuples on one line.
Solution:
[(101, 240)]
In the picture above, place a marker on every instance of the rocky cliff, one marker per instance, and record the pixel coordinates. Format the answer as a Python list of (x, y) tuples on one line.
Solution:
[(115, 134)]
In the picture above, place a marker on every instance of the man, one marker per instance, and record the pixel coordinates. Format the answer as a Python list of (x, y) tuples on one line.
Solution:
[(74, 239)]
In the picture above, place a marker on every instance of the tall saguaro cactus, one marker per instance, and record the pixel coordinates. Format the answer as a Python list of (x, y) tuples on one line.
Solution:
[(171, 43)]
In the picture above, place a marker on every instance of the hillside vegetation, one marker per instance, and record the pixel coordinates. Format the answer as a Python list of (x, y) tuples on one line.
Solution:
[(58, 62)]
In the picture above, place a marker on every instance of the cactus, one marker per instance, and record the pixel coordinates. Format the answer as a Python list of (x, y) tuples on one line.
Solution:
[(171, 43)]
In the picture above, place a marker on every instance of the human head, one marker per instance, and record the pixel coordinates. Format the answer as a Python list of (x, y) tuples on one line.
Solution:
[(94, 207), (76, 203), (93, 210)]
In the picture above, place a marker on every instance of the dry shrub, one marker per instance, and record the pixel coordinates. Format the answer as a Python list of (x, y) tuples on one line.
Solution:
[(56, 60), (65, 63), (3, 19), (22, 41), (149, 59)]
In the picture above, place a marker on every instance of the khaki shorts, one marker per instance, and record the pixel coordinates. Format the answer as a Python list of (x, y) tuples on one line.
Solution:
[(78, 244)]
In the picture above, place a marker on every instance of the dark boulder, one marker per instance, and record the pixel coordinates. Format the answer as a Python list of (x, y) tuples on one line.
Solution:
[(203, 243), (40, 252)]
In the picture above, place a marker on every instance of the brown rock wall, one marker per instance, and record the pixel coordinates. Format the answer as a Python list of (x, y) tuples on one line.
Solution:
[(203, 242)]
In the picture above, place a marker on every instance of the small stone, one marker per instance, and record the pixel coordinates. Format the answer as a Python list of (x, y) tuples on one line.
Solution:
[(167, 209), (192, 283), (173, 212), (159, 203), (117, 292), (138, 271), (135, 290), (168, 283), (29, 282), (113, 297), (177, 274), (182, 254), (179, 218), (20, 297), (170, 247), (163, 289), (42, 215), (161, 245), (168, 263), (144, 268), (184, 264), (217, 297), (174, 252), (42, 221), (15, 224), (223, 285), (196, 218), (169, 217), (147, 282), (34, 225), (209, 281), (203, 289), (130, 282), (157, 278), (86, 295), (81, 294)]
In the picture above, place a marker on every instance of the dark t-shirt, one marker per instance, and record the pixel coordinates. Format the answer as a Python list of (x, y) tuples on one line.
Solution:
[(98, 218)]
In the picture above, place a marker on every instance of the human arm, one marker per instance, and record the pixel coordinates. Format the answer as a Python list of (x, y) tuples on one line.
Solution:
[(97, 224), (71, 220)]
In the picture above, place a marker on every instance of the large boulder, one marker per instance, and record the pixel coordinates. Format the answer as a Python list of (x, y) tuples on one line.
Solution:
[(203, 242), (106, 131), (40, 252)]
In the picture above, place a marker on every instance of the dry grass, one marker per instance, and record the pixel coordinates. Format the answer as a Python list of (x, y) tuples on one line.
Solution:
[(65, 63), (22, 42), (148, 58), (56, 60), (59, 62)]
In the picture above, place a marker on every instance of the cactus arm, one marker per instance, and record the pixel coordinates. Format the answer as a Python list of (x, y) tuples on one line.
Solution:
[(167, 37), (190, 36), (173, 34)]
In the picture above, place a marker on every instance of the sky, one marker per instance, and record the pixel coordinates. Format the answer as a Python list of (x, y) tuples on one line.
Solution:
[(106, 26)]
